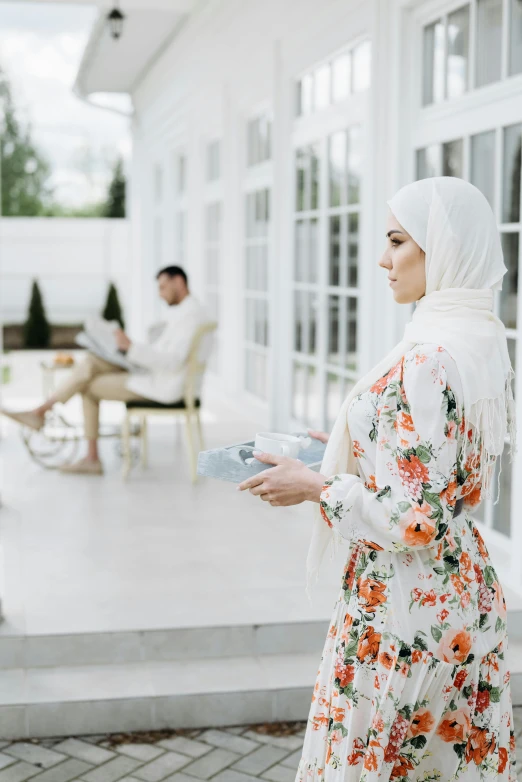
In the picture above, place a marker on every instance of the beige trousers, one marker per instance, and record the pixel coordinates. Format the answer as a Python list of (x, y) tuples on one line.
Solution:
[(95, 379)]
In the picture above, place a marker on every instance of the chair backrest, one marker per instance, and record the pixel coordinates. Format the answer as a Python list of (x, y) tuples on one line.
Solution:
[(197, 360)]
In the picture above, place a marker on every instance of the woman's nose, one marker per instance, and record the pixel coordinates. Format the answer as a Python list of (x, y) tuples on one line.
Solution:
[(385, 261)]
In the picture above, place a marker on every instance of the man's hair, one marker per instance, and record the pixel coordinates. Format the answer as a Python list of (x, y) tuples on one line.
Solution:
[(173, 271)]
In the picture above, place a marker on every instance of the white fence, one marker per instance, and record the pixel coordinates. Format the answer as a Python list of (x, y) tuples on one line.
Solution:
[(73, 260)]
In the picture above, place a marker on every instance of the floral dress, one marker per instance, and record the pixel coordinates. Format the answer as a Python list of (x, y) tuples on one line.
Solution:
[(413, 683)]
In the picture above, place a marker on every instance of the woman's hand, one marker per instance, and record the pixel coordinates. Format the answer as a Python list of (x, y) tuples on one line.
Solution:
[(323, 437), (290, 482)]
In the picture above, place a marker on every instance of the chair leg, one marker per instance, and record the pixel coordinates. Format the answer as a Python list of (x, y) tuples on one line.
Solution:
[(192, 451), (200, 432), (144, 442), (126, 443)]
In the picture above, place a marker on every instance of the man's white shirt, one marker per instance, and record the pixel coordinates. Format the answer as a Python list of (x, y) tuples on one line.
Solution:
[(165, 358)]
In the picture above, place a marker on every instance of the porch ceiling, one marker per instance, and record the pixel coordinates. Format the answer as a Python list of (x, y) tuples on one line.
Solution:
[(116, 66)]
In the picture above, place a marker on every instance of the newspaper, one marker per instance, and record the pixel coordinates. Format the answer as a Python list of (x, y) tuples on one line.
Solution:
[(98, 337)]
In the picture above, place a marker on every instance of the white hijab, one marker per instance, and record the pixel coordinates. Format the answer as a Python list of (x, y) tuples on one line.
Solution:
[(453, 223)]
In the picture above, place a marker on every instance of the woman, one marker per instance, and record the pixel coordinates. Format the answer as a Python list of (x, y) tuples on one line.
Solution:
[(413, 683)]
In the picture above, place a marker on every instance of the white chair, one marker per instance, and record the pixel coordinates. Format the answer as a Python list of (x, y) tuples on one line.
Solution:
[(188, 407)]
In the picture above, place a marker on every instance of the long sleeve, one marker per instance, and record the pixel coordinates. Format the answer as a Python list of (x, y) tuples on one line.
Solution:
[(411, 502), (170, 351)]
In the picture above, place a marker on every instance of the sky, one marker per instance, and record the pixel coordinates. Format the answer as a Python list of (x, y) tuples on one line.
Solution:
[(41, 46)]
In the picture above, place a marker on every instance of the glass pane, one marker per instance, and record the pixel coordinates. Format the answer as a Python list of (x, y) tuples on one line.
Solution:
[(508, 294), (428, 161), (313, 307), (502, 510), (322, 87), (299, 392), (351, 334), (301, 251), (314, 401), (353, 249), (452, 158), (488, 58), (158, 183), (341, 77), (335, 236), (301, 163), (333, 330), (299, 321), (515, 42), (483, 164), (354, 164), (334, 398), (314, 176), (458, 52), (433, 64), (181, 174), (511, 174), (313, 259), (361, 66), (337, 149), (255, 373)]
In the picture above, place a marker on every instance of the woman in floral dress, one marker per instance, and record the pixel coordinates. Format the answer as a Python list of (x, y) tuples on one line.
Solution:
[(413, 683)]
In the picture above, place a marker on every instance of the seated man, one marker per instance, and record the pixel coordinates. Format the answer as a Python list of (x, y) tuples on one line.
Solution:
[(164, 359)]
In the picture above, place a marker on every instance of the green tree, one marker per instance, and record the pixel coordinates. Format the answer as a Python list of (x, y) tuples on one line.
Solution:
[(112, 309), (115, 204), (24, 169), (37, 331)]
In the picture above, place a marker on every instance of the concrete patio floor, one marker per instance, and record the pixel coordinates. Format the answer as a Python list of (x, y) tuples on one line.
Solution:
[(93, 554)]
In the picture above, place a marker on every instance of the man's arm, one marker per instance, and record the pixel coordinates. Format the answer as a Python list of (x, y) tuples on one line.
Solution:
[(170, 352)]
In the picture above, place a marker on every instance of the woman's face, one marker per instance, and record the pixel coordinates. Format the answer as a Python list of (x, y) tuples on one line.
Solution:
[(405, 262)]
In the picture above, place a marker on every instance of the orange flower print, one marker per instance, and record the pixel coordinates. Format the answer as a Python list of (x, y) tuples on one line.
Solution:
[(357, 752), (368, 647), (460, 678), (449, 494), (320, 720), (325, 517), (466, 567), (416, 655), (422, 721), (474, 497), (481, 743), (503, 758), (381, 384), (454, 646), (345, 674), (401, 768), (499, 601), (386, 660), (457, 584), (405, 421), (455, 726), (369, 544), (413, 473), (371, 594), (370, 483), (378, 723), (358, 450), (480, 544), (337, 714), (416, 527), (370, 760)]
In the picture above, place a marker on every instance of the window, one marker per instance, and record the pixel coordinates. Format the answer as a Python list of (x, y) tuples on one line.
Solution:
[(495, 168), (180, 208), (256, 295), (258, 140), (212, 251), (448, 41), (213, 161), (334, 80), (326, 369)]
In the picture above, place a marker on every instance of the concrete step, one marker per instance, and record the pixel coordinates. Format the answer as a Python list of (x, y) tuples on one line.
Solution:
[(67, 701), (78, 700), (180, 643)]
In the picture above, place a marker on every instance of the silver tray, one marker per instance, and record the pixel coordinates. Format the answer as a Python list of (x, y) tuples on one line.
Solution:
[(235, 462)]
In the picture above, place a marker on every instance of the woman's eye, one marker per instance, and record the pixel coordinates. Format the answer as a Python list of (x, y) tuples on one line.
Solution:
[(395, 242)]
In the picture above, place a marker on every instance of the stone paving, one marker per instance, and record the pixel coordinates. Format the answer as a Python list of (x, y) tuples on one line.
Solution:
[(242, 754)]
